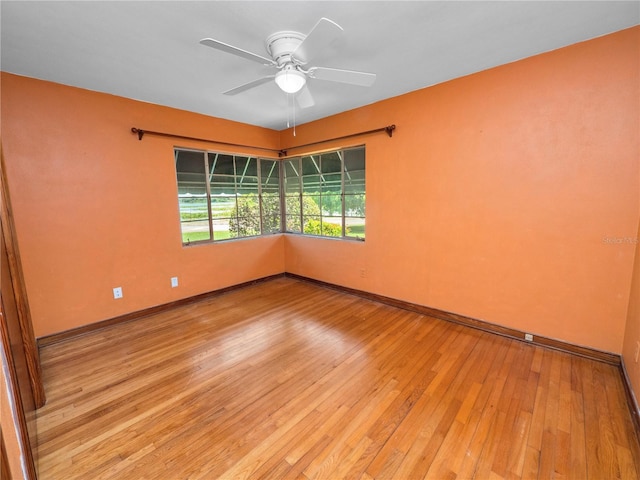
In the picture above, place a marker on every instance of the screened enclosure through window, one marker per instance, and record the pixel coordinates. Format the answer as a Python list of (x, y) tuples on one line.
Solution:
[(222, 196), (324, 194)]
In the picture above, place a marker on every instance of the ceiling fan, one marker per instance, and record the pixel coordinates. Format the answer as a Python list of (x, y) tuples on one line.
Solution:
[(290, 54)]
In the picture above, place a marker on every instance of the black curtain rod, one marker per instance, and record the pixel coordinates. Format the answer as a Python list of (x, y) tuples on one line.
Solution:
[(281, 153), (388, 129), (141, 133)]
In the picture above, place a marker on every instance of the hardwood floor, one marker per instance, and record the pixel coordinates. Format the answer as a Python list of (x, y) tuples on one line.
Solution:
[(286, 379)]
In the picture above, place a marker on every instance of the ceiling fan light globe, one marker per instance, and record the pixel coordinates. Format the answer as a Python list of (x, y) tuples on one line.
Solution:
[(290, 81)]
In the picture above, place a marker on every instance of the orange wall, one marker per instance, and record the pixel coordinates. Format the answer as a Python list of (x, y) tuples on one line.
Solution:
[(500, 193), (95, 208), (632, 330)]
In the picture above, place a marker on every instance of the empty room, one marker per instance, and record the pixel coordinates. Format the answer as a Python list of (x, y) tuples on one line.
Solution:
[(320, 240)]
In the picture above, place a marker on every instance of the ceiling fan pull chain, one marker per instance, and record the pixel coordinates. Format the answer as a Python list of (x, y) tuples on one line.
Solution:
[(291, 111)]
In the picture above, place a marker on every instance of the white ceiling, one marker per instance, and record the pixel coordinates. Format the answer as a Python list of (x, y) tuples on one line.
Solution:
[(149, 51)]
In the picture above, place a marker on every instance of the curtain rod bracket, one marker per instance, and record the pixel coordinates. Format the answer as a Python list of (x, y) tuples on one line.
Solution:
[(390, 130), (138, 131)]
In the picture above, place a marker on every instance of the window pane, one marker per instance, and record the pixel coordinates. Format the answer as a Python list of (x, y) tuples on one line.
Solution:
[(223, 194), (270, 223), (270, 176), (354, 159), (291, 176), (223, 207), (292, 205), (247, 221), (311, 165), (221, 176), (270, 212), (331, 166), (246, 175), (331, 183), (331, 162), (247, 185), (270, 195), (195, 231), (222, 229), (312, 225), (332, 204), (270, 204), (293, 223), (221, 164), (332, 226), (222, 186), (354, 205), (354, 227), (248, 206), (311, 174), (354, 170), (311, 184), (354, 187), (311, 205), (244, 226), (246, 166), (221, 222), (192, 196)]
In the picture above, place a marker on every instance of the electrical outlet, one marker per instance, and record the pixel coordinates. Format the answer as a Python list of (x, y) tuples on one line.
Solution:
[(637, 354), (117, 292), (174, 282), (528, 337)]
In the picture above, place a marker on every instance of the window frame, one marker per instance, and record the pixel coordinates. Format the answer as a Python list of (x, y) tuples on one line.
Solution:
[(209, 174), (299, 169), (284, 195)]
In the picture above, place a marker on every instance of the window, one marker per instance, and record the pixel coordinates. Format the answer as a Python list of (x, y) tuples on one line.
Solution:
[(324, 194), (222, 196)]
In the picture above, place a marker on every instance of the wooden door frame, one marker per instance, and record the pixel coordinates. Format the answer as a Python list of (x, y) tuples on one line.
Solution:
[(21, 444), (19, 289), (20, 438)]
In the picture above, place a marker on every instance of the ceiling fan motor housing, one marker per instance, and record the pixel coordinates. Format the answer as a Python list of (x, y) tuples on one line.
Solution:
[(281, 45)]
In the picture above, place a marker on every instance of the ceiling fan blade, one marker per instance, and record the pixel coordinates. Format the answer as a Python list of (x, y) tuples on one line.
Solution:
[(218, 45), (247, 86), (321, 36), (362, 79), (304, 98)]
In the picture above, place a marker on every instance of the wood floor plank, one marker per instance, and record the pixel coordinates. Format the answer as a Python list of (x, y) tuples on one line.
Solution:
[(577, 447), (478, 456), (285, 379)]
